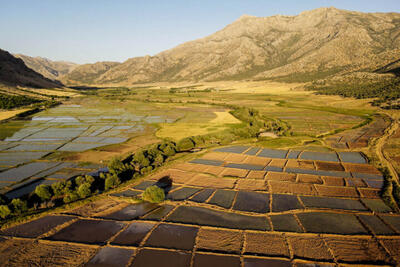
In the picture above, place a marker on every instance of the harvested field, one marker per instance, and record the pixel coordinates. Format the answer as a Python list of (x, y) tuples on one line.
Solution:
[(265, 244), (348, 249), (309, 247), (251, 184), (210, 239), (233, 172), (209, 181), (336, 191), (279, 176), (256, 175), (309, 179), (33, 253)]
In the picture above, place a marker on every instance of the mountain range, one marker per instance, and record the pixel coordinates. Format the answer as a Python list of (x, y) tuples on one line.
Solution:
[(316, 44)]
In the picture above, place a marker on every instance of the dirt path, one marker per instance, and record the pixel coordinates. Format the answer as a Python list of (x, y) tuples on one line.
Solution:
[(381, 141)]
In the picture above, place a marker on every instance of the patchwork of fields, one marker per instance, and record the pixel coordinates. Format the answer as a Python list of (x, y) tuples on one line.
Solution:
[(234, 206), (67, 128)]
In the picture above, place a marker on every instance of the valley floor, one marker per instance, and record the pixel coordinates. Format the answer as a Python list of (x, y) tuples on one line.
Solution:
[(306, 198)]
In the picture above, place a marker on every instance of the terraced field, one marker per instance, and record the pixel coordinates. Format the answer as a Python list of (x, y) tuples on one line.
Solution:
[(234, 206)]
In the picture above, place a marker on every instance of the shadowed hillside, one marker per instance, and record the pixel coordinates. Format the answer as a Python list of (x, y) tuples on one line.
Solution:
[(14, 72)]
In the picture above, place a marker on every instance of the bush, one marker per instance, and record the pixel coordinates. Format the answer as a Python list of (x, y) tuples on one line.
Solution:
[(71, 197), (19, 206), (112, 181), (185, 144), (84, 190), (43, 191), (153, 194), (4, 211)]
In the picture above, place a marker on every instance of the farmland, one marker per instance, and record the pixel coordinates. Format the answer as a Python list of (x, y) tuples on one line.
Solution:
[(311, 181)]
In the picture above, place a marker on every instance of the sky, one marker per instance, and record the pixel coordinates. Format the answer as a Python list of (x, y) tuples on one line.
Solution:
[(87, 31)]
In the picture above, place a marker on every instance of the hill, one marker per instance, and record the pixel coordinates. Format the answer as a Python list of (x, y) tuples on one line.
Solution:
[(88, 73), (14, 72), (48, 68), (312, 45)]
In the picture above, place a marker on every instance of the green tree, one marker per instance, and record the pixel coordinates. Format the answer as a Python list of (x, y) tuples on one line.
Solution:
[(112, 181), (141, 159), (19, 206), (158, 160), (153, 194), (4, 211), (185, 144), (43, 191), (70, 197), (84, 190)]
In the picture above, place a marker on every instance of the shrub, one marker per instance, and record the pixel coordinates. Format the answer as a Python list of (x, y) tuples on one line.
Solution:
[(71, 197), (43, 191), (185, 144), (84, 190), (112, 181), (4, 211), (153, 194), (19, 206)]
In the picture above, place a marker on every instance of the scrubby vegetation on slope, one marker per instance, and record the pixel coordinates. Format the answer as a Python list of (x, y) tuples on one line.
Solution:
[(387, 91), (15, 101)]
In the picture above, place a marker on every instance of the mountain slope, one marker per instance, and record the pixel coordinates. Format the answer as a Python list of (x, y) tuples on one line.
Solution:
[(311, 45), (48, 68), (14, 72), (87, 73)]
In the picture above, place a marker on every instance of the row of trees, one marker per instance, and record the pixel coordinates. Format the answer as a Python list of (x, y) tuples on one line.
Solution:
[(136, 165)]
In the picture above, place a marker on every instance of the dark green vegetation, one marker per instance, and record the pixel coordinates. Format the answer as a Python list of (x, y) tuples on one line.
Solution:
[(387, 91), (153, 194), (15, 101)]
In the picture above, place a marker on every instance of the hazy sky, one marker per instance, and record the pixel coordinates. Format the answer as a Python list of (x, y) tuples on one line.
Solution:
[(86, 31)]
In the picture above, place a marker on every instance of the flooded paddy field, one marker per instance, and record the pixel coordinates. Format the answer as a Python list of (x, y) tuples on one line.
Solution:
[(316, 210)]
